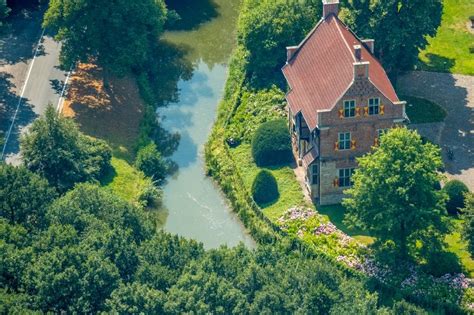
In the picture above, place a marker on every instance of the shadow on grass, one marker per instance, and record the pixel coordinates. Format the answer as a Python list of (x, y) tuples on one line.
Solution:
[(192, 13), (108, 176), (437, 63), (421, 110), (335, 214)]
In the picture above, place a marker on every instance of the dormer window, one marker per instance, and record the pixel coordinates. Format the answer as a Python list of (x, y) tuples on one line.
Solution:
[(374, 106), (349, 109)]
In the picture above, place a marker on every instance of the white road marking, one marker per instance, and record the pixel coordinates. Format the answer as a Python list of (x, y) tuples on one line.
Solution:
[(21, 96), (59, 108)]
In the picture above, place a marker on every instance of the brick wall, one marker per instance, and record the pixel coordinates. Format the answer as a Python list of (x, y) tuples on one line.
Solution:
[(363, 130)]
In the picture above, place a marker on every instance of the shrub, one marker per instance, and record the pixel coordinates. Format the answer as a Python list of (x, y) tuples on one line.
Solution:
[(455, 190), (265, 188), (271, 144), (150, 162)]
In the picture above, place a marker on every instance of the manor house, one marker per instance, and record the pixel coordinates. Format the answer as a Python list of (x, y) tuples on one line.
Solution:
[(340, 102)]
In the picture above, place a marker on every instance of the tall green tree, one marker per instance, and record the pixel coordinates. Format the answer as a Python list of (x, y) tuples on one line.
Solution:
[(267, 27), (394, 195), (24, 196), (56, 149), (400, 28), (469, 221), (118, 34)]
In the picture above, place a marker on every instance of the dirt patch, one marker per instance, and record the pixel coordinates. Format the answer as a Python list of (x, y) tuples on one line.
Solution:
[(112, 114)]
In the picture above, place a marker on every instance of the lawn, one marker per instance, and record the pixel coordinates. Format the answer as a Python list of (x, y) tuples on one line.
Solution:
[(125, 181), (289, 188), (420, 110), (335, 214), (448, 51)]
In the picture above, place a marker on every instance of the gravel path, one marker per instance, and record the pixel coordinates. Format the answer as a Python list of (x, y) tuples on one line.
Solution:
[(455, 93)]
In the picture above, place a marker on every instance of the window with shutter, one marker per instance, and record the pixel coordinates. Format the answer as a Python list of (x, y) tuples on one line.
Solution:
[(344, 142), (374, 106)]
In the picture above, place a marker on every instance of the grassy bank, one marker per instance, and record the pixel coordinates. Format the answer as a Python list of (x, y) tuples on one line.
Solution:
[(449, 51)]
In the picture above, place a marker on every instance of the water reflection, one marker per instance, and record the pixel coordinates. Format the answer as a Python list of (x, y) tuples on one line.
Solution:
[(195, 207)]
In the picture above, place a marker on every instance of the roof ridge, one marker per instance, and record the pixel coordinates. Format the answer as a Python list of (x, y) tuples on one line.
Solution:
[(344, 39)]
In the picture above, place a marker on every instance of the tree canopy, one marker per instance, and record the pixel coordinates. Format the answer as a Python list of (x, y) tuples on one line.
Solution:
[(56, 149), (400, 28), (118, 34), (394, 195), (266, 28), (24, 196)]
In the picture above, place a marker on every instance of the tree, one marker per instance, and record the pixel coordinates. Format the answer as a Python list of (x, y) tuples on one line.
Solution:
[(394, 195), (24, 196), (135, 298), (87, 203), (265, 188), (119, 35), (271, 144), (267, 27), (455, 189), (150, 162), (400, 28), (56, 149), (469, 222)]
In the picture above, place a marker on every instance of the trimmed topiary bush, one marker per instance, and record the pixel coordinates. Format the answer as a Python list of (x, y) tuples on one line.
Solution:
[(271, 144), (455, 190), (265, 188)]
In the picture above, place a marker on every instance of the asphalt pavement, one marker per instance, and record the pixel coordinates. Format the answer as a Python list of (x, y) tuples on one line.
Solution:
[(30, 78)]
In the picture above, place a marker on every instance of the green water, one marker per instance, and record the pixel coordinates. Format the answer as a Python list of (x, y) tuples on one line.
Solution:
[(194, 206)]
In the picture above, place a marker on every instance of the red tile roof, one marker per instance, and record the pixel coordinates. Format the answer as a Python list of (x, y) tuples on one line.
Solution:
[(322, 70)]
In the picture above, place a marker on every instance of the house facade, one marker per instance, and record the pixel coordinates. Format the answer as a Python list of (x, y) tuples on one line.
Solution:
[(340, 102)]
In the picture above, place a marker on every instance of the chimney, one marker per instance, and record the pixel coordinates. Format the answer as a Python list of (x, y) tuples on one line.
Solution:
[(290, 52), (370, 44), (330, 7), (358, 52), (361, 70)]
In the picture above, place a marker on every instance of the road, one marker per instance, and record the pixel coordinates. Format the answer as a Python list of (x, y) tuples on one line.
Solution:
[(30, 79)]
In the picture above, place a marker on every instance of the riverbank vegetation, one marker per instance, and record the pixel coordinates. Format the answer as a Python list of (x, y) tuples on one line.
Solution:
[(230, 162)]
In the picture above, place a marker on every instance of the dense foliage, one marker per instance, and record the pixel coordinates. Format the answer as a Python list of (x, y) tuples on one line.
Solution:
[(56, 149), (266, 28), (468, 211), (257, 107), (271, 144), (264, 188), (399, 27), (97, 253), (455, 189), (394, 195), (151, 163), (24, 196), (120, 35)]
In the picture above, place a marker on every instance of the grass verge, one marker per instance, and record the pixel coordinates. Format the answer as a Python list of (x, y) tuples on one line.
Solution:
[(449, 51)]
